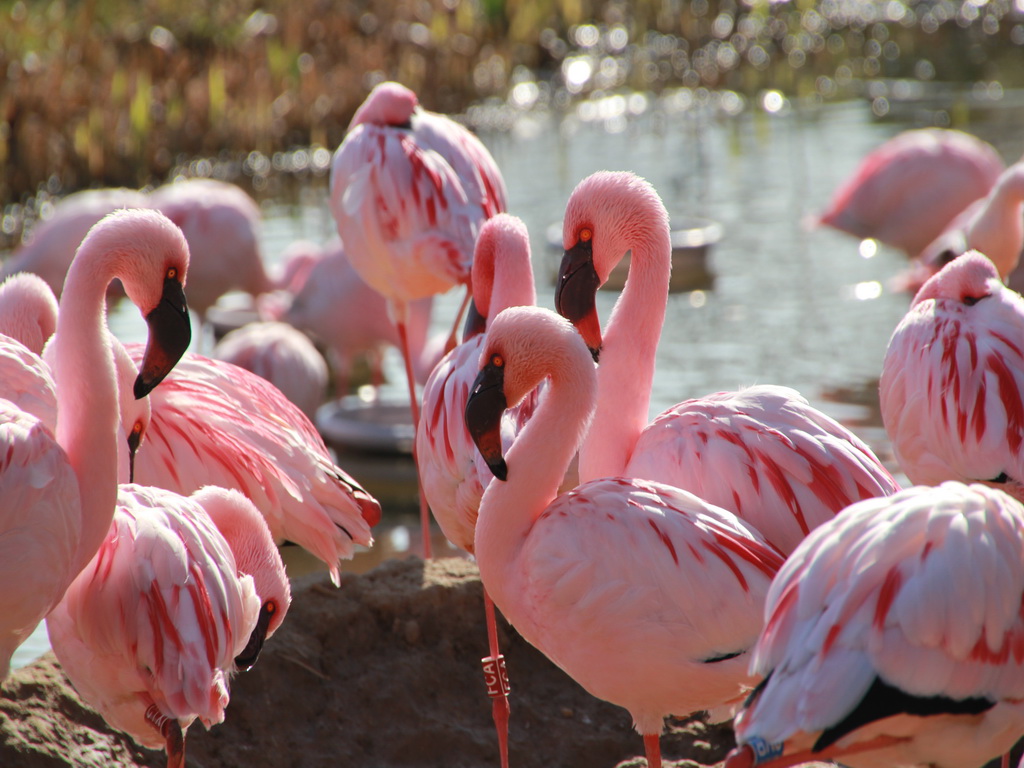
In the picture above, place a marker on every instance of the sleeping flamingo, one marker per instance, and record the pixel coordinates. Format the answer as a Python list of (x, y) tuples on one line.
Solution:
[(952, 380), (906, 192), (59, 489), (993, 225), (452, 473), (281, 354), (409, 192), (646, 595), (214, 423), (763, 452), (182, 591), (28, 310), (893, 636)]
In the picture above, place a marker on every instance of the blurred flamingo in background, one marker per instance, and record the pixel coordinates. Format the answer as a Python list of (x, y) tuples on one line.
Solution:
[(222, 225), (59, 489), (763, 452), (28, 310), (907, 191), (451, 471), (52, 241), (409, 192), (281, 354), (646, 595), (182, 591), (893, 637), (333, 304), (214, 423), (953, 377)]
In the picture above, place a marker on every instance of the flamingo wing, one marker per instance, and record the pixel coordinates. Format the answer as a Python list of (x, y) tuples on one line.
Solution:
[(919, 593), (631, 564), (952, 379), (26, 381), (214, 423), (764, 454), (157, 616)]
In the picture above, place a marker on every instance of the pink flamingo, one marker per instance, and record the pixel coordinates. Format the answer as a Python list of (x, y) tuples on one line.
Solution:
[(59, 489), (409, 192), (182, 591), (905, 192), (893, 636), (336, 307), (28, 310), (763, 452), (952, 379), (214, 423), (222, 225), (646, 595), (993, 225), (451, 471), (281, 354), (52, 242)]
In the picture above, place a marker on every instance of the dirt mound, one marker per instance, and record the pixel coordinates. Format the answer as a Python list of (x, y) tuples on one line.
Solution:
[(383, 671)]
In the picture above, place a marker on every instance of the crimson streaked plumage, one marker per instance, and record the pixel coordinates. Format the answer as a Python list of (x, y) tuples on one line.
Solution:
[(763, 452), (894, 636), (149, 632), (953, 377), (214, 423), (646, 595)]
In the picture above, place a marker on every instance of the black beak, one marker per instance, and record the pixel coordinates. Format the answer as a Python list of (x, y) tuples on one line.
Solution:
[(475, 322), (134, 438), (576, 292), (247, 658), (484, 409), (169, 336)]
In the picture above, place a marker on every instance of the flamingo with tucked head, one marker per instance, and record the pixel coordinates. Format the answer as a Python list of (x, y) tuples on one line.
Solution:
[(762, 452), (410, 190), (182, 592), (646, 595), (59, 489), (893, 637), (952, 378)]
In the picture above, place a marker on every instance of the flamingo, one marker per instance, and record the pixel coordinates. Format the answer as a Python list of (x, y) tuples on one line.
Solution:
[(182, 592), (60, 488), (762, 452), (905, 192), (281, 354), (451, 471), (222, 225), (646, 595), (893, 636), (952, 377), (28, 310), (409, 192), (214, 423), (52, 242), (993, 225), (335, 306)]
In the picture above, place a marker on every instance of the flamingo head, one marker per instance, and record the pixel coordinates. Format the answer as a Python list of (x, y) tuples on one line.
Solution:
[(966, 279), (484, 409), (388, 104), (608, 215)]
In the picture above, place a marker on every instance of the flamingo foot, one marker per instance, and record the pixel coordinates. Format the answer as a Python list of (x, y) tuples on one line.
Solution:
[(174, 737)]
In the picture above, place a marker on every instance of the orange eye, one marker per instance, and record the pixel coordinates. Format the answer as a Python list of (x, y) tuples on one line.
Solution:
[(137, 428), (172, 273), (270, 607), (497, 361), (586, 234)]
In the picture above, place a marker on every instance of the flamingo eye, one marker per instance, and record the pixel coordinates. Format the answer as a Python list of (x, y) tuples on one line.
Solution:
[(137, 428), (586, 234), (172, 273), (270, 607), (497, 361)]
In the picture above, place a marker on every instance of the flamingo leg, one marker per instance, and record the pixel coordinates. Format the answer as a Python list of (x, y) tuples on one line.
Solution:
[(652, 748), (170, 729), (414, 405), (453, 340), (743, 757), (497, 681)]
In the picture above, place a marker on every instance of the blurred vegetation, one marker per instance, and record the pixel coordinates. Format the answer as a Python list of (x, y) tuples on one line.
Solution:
[(120, 92)]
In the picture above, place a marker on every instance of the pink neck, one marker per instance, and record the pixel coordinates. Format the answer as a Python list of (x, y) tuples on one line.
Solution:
[(625, 373), (87, 408)]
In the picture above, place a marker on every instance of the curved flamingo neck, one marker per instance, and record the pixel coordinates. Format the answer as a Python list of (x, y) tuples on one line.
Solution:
[(625, 373), (87, 406), (537, 462), (513, 283)]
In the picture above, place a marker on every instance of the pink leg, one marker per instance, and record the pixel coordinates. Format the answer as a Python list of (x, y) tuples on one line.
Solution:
[(415, 406), (652, 747), (170, 729), (497, 682), (453, 339), (1005, 761)]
